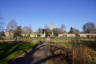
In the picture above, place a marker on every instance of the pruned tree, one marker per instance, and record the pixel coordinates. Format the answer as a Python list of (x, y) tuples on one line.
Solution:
[(89, 27)]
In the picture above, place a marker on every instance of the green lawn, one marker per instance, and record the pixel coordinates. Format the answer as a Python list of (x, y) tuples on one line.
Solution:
[(10, 51), (53, 38), (62, 43), (91, 44)]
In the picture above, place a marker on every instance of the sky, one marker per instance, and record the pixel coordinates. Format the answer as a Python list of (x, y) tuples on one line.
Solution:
[(37, 13)]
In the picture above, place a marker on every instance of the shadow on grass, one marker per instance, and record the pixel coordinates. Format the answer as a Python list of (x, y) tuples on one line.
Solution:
[(29, 59), (9, 48)]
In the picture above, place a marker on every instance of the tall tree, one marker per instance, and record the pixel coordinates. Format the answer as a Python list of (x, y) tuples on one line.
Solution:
[(89, 27), (12, 25)]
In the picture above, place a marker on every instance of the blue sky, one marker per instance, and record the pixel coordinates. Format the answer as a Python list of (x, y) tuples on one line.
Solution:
[(41, 12)]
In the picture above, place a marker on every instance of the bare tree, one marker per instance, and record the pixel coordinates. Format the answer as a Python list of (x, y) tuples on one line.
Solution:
[(1, 28), (63, 28), (27, 30), (1, 24), (89, 27), (12, 25), (40, 30)]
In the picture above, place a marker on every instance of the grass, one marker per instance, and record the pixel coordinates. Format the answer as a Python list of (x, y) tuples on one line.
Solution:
[(84, 52), (12, 50), (62, 43), (24, 39), (72, 38), (53, 38)]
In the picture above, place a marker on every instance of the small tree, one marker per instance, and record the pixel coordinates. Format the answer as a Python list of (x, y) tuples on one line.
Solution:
[(18, 32), (48, 32), (2, 35), (74, 31), (57, 31)]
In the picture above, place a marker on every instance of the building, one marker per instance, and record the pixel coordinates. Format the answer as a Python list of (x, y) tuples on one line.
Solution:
[(9, 34)]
